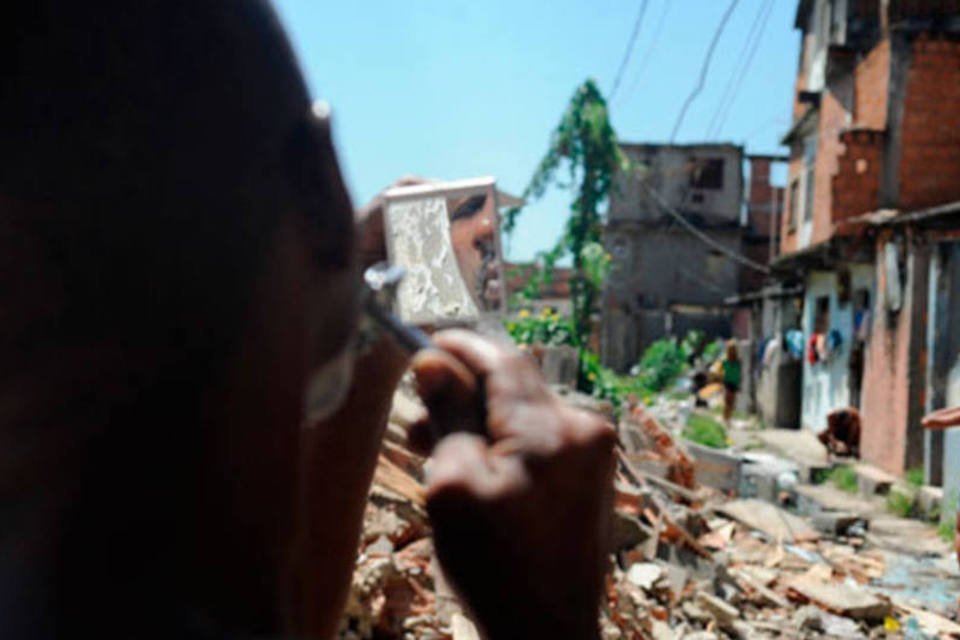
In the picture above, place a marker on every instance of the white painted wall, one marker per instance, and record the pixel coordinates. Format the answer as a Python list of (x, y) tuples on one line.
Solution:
[(825, 384)]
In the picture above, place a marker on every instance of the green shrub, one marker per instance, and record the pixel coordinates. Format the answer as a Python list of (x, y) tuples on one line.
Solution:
[(662, 363), (899, 504), (547, 327), (703, 429), (915, 477), (845, 479), (712, 351), (947, 530), (606, 384)]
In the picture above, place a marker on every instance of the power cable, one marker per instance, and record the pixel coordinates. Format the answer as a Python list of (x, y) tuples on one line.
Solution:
[(630, 44), (648, 53), (750, 56), (689, 226), (739, 68), (703, 69)]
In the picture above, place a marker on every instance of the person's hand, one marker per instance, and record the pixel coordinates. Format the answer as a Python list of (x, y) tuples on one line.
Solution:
[(521, 513), (942, 419), (371, 244)]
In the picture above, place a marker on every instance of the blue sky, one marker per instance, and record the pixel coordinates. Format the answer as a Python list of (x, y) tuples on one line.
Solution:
[(455, 88)]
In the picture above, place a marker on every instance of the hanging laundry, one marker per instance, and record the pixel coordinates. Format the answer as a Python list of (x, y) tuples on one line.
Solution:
[(821, 344), (813, 355), (795, 343), (834, 341)]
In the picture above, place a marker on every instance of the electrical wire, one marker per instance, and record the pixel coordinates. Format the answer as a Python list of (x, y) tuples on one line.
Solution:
[(630, 44), (648, 53), (692, 229), (703, 69), (750, 56), (739, 68)]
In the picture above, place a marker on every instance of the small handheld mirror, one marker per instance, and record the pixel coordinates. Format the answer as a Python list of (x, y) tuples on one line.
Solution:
[(446, 238)]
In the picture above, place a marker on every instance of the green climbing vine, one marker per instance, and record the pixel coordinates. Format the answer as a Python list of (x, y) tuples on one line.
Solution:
[(585, 144)]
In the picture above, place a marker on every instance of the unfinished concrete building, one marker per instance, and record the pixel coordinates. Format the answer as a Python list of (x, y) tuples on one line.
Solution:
[(664, 279)]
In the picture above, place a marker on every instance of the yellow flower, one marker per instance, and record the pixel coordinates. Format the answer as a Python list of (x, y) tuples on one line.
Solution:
[(545, 312), (591, 376), (523, 314)]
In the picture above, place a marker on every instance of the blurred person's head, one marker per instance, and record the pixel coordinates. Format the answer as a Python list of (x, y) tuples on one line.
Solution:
[(731, 350), (177, 259)]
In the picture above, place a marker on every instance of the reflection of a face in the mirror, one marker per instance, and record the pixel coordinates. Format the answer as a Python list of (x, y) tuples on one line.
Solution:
[(473, 228)]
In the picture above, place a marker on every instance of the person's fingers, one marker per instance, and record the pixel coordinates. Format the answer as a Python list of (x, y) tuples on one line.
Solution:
[(511, 380), (463, 468), (452, 394), (481, 355), (423, 435), (459, 463), (440, 374), (942, 418)]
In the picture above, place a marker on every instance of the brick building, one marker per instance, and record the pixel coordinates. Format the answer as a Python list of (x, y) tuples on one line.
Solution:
[(764, 202), (664, 280), (553, 295), (871, 224)]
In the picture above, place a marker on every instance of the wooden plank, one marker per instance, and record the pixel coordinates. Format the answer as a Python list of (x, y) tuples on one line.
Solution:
[(778, 524), (840, 599)]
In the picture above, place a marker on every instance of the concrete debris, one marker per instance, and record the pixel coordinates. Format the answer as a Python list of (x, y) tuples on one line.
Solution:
[(723, 612), (839, 523), (687, 562), (716, 468), (930, 622), (645, 575), (776, 523), (661, 445), (873, 481), (840, 599), (808, 618)]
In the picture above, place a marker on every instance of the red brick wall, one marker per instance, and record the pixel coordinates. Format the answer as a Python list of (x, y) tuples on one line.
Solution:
[(871, 85), (761, 195), (856, 185), (833, 118), (885, 398), (900, 9), (930, 130), (788, 236)]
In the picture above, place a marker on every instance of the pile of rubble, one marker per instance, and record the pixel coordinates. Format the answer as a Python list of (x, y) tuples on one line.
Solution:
[(687, 562)]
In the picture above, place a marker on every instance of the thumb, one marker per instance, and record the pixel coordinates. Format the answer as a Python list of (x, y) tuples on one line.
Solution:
[(452, 394)]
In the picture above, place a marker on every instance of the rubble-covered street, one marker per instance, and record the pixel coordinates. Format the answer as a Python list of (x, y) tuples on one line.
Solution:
[(687, 560)]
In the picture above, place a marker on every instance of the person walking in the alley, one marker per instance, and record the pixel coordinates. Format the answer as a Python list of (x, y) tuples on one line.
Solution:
[(731, 379)]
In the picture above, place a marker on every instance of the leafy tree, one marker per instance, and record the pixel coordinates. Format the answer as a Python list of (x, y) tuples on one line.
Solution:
[(585, 145)]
